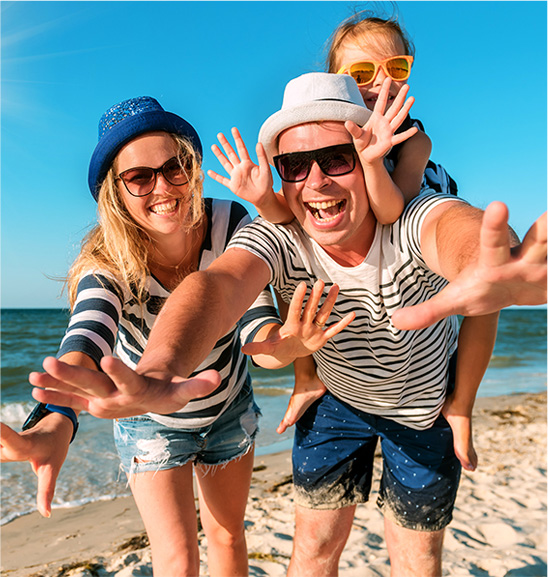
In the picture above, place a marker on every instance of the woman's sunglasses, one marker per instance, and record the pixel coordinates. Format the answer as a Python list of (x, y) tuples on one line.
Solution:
[(141, 180), (396, 67), (332, 160)]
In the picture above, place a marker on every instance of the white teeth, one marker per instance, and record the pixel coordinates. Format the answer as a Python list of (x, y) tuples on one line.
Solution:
[(324, 204), (165, 207)]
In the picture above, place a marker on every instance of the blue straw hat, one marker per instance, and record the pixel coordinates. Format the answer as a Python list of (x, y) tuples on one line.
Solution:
[(122, 123)]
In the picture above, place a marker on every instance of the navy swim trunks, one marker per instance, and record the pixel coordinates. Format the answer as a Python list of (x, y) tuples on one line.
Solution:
[(333, 464)]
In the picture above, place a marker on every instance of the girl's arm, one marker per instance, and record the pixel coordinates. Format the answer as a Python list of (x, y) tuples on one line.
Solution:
[(373, 142), (248, 181), (411, 164)]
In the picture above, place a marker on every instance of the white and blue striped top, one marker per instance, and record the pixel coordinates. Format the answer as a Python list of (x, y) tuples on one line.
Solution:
[(371, 365), (107, 319)]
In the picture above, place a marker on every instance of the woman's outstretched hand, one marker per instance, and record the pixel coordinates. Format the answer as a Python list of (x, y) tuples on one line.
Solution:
[(45, 447), (119, 391)]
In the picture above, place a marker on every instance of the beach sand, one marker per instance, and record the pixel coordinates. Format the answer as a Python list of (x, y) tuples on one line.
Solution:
[(498, 529)]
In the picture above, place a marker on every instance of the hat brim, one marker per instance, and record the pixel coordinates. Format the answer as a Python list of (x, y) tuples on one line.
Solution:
[(325, 110), (128, 129)]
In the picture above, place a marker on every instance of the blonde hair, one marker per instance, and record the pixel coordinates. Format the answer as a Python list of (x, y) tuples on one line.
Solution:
[(356, 28), (117, 243)]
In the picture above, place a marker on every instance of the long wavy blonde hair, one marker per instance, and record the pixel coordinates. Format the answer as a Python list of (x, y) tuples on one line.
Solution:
[(117, 243)]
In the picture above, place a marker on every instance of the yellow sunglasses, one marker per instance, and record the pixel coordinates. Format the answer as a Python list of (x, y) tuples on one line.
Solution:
[(396, 67)]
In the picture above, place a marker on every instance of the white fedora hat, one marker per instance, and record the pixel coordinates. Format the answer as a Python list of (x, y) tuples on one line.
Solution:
[(314, 97)]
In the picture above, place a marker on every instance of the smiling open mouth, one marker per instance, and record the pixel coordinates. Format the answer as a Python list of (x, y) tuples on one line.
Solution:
[(165, 207), (327, 210)]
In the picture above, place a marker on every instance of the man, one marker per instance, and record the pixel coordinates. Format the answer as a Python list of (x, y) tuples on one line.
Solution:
[(383, 381)]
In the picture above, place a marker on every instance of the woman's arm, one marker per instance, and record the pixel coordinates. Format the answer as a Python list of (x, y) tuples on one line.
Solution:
[(45, 445)]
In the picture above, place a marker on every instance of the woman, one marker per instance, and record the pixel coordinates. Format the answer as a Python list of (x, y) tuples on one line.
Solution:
[(154, 229)]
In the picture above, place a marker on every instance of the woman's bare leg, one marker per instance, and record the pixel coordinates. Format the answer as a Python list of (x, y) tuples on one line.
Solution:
[(223, 492), (165, 500)]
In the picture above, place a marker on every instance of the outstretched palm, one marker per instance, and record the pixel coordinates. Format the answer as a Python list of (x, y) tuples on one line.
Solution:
[(502, 276), (378, 136), (248, 181), (119, 391)]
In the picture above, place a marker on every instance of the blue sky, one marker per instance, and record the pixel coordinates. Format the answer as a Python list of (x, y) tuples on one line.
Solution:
[(479, 81)]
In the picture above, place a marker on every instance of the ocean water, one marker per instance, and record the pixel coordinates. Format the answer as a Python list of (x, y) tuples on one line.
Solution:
[(91, 471)]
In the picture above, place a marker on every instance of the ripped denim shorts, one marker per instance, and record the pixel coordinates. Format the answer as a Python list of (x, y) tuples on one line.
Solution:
[(146, 445)]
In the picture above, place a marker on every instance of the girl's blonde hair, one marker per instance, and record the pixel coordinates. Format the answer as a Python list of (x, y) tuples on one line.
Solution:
[(358, 26), (120, 246)]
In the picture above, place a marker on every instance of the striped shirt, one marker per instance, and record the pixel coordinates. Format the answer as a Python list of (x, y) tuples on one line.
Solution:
[(107, 319), (371, 365)]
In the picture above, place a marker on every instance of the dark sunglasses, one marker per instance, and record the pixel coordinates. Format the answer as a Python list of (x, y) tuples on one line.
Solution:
[(141, 180), (332, 160)]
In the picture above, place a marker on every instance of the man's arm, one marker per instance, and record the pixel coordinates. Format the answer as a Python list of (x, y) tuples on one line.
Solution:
[(200, 311), (481, 257)]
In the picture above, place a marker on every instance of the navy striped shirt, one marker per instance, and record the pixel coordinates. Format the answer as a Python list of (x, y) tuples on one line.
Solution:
[(107, 319)]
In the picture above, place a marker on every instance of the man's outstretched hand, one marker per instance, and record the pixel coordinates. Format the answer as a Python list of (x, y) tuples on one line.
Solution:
[(501, 276), (119, 391)]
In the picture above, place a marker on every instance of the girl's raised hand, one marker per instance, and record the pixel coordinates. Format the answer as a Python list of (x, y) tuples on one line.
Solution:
[(378, 136), (246, 180)]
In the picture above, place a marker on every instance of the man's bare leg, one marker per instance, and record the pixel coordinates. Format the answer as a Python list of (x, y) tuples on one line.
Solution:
[(320, 537), (413, 553)]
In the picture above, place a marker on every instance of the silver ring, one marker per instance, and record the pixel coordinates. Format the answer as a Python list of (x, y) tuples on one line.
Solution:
[(319, 325)]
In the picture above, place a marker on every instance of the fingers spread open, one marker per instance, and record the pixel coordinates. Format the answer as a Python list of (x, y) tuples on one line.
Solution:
[(533, 247), (311, 307), (398, 113), (63, 399), (123, 378), (74, 378), (220, 179), (240, 145), (339, 326), (11, 442), (47, 477), (382, 100), (296, 305), (325, 311), (227, 147), (402, 136)]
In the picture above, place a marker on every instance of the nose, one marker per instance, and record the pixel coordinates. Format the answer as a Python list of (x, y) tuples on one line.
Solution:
[(162, 184), (379, 78), (317, 179)]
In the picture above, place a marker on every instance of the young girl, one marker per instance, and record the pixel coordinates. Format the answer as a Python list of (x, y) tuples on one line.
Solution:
[(394, 155), (375, 51), (154, 229)]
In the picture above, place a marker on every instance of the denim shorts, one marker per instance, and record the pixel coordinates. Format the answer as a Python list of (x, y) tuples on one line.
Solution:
[(333, 464), (146, 445)]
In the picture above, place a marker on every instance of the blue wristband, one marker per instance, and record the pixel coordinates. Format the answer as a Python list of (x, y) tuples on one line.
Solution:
[(68, 412)]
